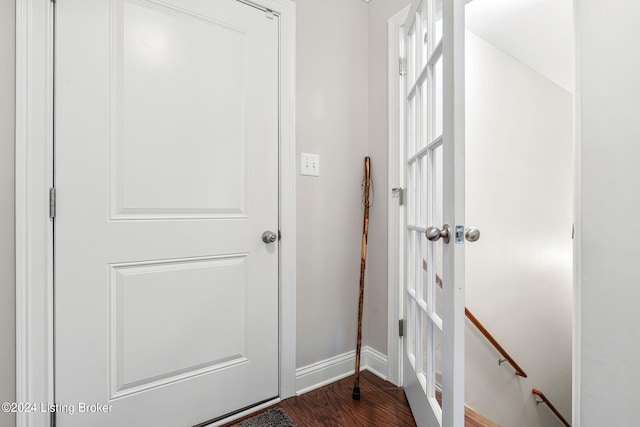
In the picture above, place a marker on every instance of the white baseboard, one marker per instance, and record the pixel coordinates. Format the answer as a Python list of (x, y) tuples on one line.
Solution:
[(338, 367), (375, 362)]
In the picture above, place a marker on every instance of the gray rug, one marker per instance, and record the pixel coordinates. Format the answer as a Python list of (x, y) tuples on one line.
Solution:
[(276, 417)]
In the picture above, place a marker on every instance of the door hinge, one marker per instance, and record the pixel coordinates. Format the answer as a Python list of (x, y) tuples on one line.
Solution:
[(401, 327), (269, 13), (400, 192), (52, 202), (402, 66)]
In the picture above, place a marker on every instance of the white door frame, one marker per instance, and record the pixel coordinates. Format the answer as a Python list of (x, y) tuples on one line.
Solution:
[(34, 178), (576, 364), (395, 212)]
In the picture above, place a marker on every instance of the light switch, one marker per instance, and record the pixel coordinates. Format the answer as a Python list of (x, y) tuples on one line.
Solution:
[(309, 164)]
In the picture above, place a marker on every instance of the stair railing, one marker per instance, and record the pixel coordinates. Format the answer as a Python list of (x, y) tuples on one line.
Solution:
[(506, 357), (543, 399)]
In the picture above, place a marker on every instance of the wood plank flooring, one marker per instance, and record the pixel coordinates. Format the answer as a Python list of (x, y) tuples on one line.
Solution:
[(381, 404), (471, 417)]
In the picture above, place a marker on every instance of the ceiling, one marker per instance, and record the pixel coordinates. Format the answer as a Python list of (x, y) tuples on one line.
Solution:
[(538, 33)]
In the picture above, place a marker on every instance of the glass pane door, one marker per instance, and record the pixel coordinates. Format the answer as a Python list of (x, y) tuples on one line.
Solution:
[(433, 365)]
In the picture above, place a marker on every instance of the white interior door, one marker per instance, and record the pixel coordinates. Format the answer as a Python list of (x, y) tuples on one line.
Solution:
[(433, 374), (166, 169)]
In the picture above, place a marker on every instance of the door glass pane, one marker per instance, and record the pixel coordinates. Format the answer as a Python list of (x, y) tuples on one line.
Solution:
[(437, 359), (424, 37), (437, 289), (424, 115), (437, 106), (411, 62), (424, 360), (437, 25), (411, 127), (423, 220), (424, 270), (411, 330), (437, 187), (417, 264), (423, 223), (437, 194), (411, 269), (411, 194)]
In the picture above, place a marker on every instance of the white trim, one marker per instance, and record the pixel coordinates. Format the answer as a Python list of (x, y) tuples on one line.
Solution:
[(453, 301), (335, 368), (287, 11), (325, 372), (577, 226), (394, 234), (34, 177), (34, 237), (375, 362)]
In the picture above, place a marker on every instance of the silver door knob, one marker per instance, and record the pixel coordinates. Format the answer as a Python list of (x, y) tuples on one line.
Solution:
[(269, 236), (472, 234), (434, 233)]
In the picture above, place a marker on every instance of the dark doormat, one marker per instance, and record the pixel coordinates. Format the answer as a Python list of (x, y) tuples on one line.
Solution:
[(276, 417)]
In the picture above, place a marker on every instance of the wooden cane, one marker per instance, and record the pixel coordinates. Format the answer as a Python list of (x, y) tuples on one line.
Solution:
[(363, 264)]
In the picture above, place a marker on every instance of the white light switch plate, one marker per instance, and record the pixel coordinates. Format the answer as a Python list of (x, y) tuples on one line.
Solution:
[(309, 164)]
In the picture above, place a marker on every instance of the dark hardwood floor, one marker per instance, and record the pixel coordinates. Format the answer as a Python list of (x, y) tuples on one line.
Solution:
[(381, 404), (471, 417)]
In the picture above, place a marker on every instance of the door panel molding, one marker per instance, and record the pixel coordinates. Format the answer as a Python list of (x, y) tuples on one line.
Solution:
[(34, 178)]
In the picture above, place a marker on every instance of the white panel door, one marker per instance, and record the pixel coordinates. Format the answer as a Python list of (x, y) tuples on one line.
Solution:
[(166, 168), (433, 373)]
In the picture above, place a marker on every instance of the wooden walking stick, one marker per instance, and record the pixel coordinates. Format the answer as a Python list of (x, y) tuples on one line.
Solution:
[(363, 264)]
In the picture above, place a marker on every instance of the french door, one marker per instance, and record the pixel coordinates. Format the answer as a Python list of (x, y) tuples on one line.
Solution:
[(433, 157)]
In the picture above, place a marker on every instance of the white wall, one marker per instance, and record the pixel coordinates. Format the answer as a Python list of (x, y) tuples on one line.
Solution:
[(7, 241), (538, 33), (375, 319), (519, 274), (342, 115), (609, 125), (332, 102)]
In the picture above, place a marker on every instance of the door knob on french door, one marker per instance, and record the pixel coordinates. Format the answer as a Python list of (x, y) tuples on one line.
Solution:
[(269, 236), (472, 234), (434, 233)]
